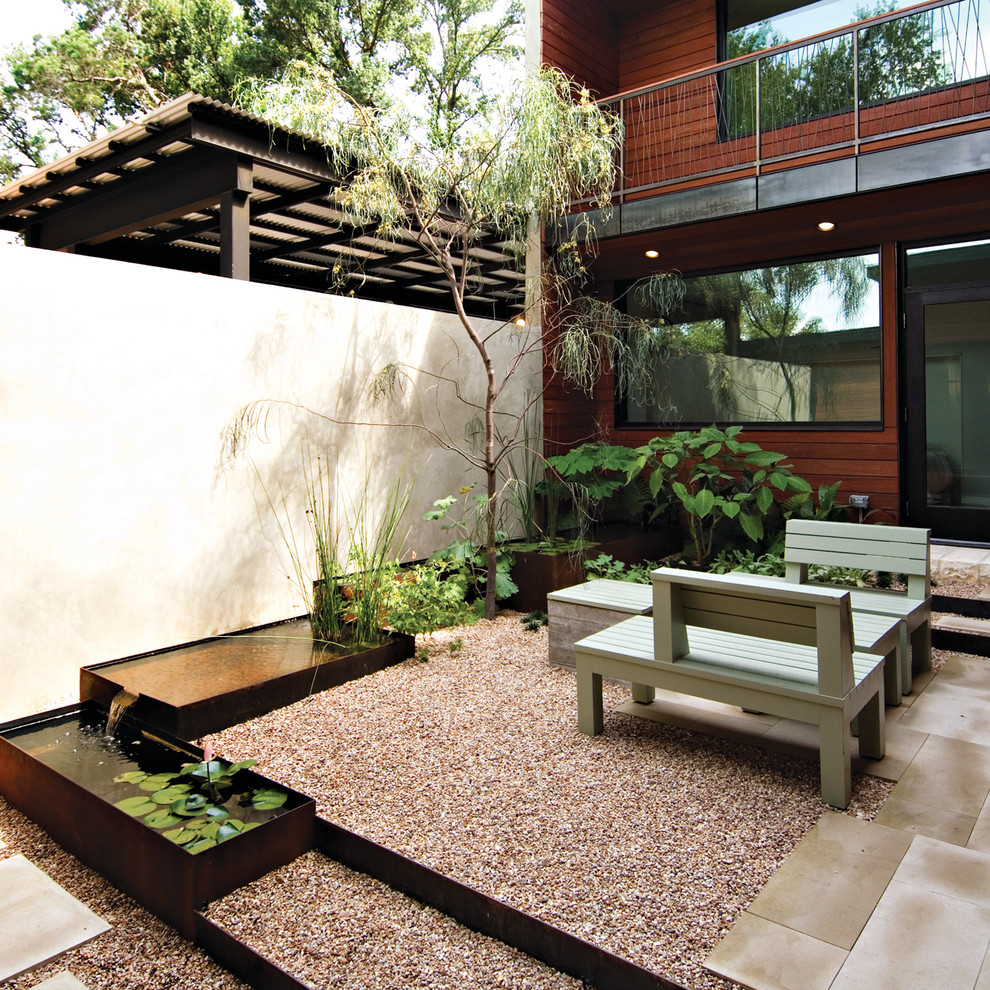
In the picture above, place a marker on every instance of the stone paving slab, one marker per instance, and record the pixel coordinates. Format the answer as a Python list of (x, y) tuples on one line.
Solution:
[(61, 981), (39, 920)]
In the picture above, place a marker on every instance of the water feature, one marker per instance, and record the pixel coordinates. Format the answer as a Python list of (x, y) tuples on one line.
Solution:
[(95, 795), (121, 701)]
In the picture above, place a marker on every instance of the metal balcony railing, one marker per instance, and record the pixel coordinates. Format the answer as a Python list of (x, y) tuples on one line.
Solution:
[(833, 95)]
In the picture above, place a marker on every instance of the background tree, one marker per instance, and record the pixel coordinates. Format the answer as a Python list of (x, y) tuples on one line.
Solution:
[(123, 57), (545, 145)]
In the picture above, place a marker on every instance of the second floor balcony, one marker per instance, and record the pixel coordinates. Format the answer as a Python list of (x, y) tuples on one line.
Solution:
[(888, 82)]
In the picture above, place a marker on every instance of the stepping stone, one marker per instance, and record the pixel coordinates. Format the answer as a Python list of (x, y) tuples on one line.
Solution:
[(61, 981), (963, 624), (39, 920)]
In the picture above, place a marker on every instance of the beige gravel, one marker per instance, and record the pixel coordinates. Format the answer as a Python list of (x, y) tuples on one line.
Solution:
[(648, 841)]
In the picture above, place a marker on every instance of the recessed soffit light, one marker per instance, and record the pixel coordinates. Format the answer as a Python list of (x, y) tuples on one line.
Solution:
[(652, 253), (826, 225)]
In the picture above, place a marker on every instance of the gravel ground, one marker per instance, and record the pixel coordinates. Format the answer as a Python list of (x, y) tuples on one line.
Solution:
[(648, 841)]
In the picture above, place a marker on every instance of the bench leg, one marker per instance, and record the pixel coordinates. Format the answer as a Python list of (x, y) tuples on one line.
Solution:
[(589, 699), (835, 742), (893, 676), (872, 734), (643, 693), (921, 646)]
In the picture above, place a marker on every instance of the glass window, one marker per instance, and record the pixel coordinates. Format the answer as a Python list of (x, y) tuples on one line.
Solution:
[(796, 343), (948, 264), (753, 25)]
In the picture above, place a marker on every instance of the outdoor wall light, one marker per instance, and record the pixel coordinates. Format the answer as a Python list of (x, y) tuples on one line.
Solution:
[(652, 253), (826, 225), (520, 321)]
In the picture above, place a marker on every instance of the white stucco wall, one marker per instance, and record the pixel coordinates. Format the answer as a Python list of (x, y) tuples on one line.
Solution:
[(118, 533)]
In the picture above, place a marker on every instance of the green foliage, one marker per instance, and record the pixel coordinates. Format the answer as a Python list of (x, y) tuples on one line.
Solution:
[(716, 479), (593, 482), (606, 566), (746, 561), (122, 57), (545, 144), (197, 807), (534, 621), (428, 597), (467, 557)]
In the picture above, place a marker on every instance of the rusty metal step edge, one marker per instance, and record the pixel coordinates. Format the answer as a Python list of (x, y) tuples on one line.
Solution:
[(564, 952)]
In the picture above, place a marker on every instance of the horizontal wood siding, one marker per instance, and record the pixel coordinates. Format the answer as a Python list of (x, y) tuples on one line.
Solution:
[(671, 39), (581, 38)]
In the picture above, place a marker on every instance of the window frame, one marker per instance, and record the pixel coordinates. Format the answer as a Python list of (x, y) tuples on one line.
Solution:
[(622, 423)]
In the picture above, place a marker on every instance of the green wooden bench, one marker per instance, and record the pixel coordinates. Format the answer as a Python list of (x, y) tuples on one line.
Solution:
[(895, 549), (784, 650), (583, 609)]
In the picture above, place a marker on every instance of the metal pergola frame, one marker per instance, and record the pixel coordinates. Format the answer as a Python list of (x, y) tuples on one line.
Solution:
[(198, 185)]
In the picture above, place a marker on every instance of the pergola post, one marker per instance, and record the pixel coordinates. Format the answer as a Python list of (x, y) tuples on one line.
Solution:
[(235, 225)]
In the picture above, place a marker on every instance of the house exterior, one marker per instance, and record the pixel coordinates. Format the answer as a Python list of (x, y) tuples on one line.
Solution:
[(819, 187)]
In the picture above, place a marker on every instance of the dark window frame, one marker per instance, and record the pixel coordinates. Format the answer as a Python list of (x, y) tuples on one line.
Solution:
[(621, 423)]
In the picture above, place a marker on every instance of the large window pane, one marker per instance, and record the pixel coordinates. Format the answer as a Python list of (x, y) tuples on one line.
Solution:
[(795, 343)]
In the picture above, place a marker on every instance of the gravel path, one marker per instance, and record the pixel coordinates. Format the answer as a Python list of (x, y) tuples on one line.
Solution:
[(648, 841)]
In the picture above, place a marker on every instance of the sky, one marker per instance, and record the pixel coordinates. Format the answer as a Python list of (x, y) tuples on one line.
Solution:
[(20, 20)]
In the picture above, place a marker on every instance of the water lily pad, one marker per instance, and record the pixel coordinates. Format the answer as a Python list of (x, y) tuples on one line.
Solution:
[(180, 835), (227, 831), (242, 765), (131, 777), (161, 819), (156, 782), (171, 793), (140, 804), (217, 814), (268, 799), (190, 805), (201, 846)]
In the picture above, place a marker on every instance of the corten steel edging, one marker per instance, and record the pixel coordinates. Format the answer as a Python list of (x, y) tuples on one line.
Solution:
[(199, 718), (956, 640), (245, 963), (961, 642), (565, 953), (972, 608), (171, 882)]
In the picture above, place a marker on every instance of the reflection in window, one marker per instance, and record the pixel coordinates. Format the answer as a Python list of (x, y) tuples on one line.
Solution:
[(793, 343)]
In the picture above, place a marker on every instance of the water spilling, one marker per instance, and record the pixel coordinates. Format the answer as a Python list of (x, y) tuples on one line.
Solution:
[(122, 700)]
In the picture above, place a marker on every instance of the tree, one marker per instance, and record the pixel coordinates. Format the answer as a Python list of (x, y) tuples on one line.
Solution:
[(118, 59), (123, 57), (544, 146)]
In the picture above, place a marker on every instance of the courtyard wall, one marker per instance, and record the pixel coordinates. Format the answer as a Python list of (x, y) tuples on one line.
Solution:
[(121, 528)]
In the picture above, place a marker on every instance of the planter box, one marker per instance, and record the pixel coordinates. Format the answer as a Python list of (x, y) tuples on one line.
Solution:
[(195, 690), (140, 861), (537, 574)]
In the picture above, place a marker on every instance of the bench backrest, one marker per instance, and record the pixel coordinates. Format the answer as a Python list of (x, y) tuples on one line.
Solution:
[(896, 549), (809, 616)]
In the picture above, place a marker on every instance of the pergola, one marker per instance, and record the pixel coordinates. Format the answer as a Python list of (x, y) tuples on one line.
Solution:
[(201, 186)]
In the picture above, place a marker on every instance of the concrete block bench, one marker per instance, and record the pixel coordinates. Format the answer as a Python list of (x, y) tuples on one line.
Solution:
[(784, 650), (583, 609)]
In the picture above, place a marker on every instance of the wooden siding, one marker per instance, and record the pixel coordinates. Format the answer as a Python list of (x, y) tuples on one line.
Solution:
[(668, 41), (581, 37)]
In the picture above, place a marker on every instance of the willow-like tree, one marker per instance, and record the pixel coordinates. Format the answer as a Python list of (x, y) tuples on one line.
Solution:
[(520, 166)]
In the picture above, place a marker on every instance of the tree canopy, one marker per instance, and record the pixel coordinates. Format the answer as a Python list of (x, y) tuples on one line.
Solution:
[(120, 58)]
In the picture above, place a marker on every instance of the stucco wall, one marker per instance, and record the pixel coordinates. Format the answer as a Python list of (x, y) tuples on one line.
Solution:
[(119, 532)]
